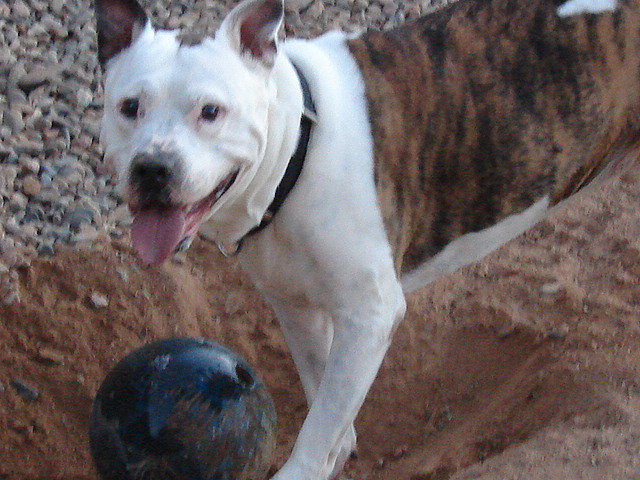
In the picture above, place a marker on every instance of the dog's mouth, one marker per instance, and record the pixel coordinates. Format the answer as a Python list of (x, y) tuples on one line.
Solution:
[(159, 230)]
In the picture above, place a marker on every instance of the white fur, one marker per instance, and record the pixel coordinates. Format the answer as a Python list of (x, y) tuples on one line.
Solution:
[(578, 7), (325, 263), (472, 247)]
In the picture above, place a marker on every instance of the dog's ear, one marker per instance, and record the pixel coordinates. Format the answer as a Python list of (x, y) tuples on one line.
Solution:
[(252, 28), (119, 23)]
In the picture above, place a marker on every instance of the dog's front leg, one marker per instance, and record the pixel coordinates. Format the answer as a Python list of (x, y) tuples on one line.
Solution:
[(309, 334), (361, 336)]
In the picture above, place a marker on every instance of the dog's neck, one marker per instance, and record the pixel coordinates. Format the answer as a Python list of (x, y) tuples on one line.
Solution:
[(238, 217), (296, 162)]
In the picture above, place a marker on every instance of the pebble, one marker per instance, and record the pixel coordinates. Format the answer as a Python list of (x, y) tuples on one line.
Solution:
[(558, 333), (46, 250), (87, 234), (297, 5), (34, 213), (79, 217), (48, 355), (14, 120), (17, 202), (31, 185), (32, 148), (29, 165), (123, 274), (20, 9), (551, 288), (38, 76), (98, 300), (84, 97), (26, 391), (10, 297)]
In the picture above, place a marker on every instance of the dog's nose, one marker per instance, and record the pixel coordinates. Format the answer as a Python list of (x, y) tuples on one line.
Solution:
[(152, 175)]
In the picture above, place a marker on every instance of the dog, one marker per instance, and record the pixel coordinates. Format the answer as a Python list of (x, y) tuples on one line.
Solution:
[(348, 170)]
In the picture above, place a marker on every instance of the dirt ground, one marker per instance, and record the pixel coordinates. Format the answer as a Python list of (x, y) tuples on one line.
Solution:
[(523, 366)]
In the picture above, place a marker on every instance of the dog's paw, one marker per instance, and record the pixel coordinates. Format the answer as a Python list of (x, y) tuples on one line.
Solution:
[(345, 450), (295, 469)]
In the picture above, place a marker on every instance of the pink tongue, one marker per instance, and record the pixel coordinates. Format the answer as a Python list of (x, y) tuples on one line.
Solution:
[(155, 233)]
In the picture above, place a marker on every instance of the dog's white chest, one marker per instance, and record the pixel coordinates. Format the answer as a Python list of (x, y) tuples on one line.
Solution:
[(328, 240)]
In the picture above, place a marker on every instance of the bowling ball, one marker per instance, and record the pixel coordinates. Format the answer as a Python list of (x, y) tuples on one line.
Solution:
[(179, 409)]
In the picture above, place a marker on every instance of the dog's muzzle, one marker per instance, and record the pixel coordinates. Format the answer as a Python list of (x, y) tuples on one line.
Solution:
[(152, 177), (162, 223)]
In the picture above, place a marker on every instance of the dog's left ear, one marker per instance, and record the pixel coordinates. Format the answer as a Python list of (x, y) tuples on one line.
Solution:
[(252, 28), (119, 23)]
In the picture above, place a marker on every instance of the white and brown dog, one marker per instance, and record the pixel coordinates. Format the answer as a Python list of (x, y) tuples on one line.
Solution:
[(430, 145)]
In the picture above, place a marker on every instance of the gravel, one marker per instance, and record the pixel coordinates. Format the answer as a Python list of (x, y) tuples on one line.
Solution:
[(54, 189), (26, 391)]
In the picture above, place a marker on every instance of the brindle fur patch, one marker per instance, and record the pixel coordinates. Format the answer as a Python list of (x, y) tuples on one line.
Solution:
[(483, 107)]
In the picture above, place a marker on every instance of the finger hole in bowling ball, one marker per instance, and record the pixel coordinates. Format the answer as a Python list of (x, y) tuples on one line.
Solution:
[(244, 376)]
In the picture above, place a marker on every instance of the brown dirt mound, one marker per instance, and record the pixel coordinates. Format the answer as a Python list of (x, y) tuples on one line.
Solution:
[(524, 366)]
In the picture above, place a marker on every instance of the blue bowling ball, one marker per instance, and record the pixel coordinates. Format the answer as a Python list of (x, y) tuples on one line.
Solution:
[(182, 409)]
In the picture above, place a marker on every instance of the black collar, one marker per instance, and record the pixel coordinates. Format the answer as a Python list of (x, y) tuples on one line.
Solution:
[(294, 168)]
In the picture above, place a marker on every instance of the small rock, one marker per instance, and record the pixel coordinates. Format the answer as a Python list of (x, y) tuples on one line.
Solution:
[(47, 173), (56, 6), (56, 233), (34, 213), (98, 300), (559, 333), (26, 391), (123, 274), (389, 9), (121, 216), (506, 331), (31, 185), (79, 217), (87, 234), (17, 202), (8, 156), (297, 5), (10, 297), (30, 147), (316, 10), (46, 250), (84, 97), (400, 452), (48, 355), (20, 9), (29, 165), (37, 77), (14, 120), (50, 194), (550, 288)]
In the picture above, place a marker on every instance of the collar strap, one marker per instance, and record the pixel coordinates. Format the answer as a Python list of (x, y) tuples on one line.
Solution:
[(296, 162)]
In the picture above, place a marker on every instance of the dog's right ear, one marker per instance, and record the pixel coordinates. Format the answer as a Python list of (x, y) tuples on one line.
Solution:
[(119, 23)]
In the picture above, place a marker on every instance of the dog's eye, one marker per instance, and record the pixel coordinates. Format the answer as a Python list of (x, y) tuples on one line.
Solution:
[(129, 108), (209, 112)]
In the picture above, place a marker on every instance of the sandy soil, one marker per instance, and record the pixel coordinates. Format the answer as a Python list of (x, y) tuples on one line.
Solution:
[(524, 366)]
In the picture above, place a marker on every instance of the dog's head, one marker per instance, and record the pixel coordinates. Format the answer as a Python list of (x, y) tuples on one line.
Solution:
[(186, 125)]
